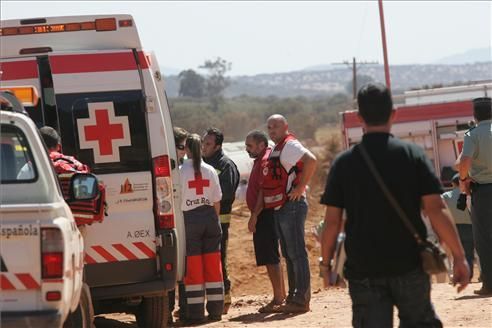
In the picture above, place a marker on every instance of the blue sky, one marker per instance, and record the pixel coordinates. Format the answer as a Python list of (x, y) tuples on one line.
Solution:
[(265, 37)]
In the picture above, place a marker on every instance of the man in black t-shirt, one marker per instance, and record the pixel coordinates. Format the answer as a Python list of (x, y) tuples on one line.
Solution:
[(383, 265)]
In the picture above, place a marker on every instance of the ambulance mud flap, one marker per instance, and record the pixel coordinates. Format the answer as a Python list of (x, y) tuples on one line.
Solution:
[(167, 256)]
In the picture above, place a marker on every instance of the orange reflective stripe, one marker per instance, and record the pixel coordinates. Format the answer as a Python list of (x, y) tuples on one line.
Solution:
[(212, 267), (194, 270)]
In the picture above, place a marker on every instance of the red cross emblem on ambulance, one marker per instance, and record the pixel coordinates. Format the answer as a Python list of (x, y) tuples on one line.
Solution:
[(104, 132)]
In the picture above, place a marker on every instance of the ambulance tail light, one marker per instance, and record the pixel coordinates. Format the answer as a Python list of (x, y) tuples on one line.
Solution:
[(162, 168), (164, 211), (51, 253)]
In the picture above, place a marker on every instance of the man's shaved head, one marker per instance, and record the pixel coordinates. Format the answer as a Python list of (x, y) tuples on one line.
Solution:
[(278, 128), (278, 118)]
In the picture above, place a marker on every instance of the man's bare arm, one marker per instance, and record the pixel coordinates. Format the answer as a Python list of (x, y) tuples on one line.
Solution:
[(309, 166), (464, 164), (256, 211)]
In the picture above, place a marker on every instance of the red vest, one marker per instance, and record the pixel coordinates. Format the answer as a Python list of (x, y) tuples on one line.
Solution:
[(276, 177), (86, 211)]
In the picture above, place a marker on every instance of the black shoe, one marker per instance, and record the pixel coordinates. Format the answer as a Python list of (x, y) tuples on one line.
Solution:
[(216, 317), (483, 292)]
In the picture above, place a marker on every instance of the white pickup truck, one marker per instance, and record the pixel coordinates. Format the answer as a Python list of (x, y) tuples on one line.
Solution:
[(41, 248)]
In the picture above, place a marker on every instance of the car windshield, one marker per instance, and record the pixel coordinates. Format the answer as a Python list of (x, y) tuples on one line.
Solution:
[(16, 162)]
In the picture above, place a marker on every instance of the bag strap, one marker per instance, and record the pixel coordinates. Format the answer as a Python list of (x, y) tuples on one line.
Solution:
[(389, 196)]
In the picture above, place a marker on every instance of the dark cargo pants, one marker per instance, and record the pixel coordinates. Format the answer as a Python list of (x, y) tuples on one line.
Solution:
[(203, 264), (482, 229)]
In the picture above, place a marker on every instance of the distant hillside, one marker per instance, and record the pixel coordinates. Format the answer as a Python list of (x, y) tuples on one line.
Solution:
[(470, 56), (328, 82)]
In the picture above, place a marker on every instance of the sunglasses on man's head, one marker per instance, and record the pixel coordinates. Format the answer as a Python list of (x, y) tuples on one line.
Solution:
[(180, 147)]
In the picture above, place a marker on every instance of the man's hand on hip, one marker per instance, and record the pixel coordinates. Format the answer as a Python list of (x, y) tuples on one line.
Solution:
[(296, 193)]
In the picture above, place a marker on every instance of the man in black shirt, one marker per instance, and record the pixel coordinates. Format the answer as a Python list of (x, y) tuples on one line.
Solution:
[(383, 265)]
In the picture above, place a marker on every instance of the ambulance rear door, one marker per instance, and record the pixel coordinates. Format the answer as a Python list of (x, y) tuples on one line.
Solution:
[(101, 112), (162, 107)]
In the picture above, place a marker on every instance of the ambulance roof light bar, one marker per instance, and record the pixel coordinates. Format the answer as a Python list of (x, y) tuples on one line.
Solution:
[(56, 33), (99, 25)]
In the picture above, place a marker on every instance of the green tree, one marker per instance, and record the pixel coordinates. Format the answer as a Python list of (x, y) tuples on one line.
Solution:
[(191, 84), (216, 80)]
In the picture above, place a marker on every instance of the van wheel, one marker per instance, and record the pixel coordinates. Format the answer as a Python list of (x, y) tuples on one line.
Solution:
[(83, 317), (153, 312)]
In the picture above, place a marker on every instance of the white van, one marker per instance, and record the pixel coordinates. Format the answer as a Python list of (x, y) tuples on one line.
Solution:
[(41, 249), (106, 98)]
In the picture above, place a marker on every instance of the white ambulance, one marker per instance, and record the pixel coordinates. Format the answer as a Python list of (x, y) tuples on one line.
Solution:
[(436, 119), (106, 97), (41, 249)]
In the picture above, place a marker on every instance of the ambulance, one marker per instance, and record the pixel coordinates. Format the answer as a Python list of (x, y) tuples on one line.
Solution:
[(106, 97), (41, 249), (436, 119)]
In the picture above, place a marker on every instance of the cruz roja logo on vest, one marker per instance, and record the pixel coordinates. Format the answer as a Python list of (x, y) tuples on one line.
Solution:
[(198, 201)]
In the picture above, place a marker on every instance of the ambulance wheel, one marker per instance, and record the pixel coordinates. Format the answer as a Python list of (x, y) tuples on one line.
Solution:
[(153, 312), (83, 317)]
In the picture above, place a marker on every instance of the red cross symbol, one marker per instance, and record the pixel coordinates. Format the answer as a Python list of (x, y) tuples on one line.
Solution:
[(104, 132), (198, 184)]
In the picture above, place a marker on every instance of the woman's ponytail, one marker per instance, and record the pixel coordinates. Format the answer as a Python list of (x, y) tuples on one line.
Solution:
[(194, 144)]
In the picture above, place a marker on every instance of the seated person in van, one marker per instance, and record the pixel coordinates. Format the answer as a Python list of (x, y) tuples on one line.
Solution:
[(85, 212), (61, 162)]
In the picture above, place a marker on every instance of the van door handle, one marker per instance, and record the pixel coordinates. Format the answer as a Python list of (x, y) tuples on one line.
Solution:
[(173, 164)]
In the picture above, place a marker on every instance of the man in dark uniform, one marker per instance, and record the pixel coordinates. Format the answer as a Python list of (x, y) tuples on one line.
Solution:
[(475, 169), (229, 180), (383, 265)]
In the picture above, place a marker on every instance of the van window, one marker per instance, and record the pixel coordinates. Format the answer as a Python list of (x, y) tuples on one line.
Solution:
[(129, 106), (17, 164)]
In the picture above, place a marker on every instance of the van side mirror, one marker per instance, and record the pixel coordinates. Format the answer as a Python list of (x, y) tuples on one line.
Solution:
[(83, 186)]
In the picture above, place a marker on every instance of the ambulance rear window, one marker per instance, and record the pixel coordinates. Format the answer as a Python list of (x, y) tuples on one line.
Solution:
[(17, 164), (105, 130)]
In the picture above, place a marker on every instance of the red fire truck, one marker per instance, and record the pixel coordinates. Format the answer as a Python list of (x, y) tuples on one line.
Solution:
[(436, 119)]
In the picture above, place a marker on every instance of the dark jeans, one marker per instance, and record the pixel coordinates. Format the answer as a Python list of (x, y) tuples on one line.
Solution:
[(466, 237), (373, 300), (482, 229), (223, 255), (289, 225)]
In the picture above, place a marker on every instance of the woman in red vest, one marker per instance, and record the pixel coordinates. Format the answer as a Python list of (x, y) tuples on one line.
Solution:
[(200, 202)]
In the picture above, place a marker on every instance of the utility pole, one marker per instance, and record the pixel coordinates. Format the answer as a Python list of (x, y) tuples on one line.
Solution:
[(354, 73), (385, 48)]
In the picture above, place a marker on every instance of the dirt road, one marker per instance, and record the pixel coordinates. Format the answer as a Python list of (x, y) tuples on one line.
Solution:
[(332, 309), (328, 308)]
